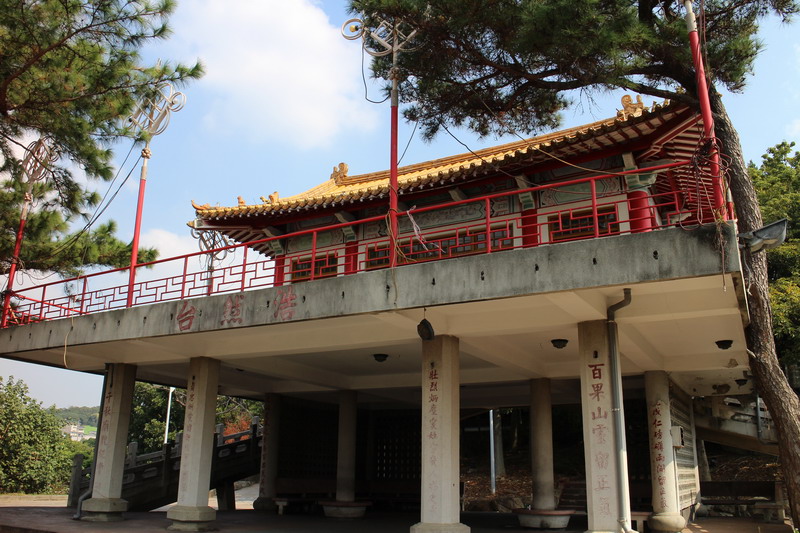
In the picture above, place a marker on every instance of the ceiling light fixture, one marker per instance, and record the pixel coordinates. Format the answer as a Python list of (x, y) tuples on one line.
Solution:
[(724, 344), (559, 344)]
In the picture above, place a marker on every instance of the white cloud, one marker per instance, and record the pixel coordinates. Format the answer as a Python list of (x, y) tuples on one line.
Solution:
[(169, 244), (276, 70), (793, 128)]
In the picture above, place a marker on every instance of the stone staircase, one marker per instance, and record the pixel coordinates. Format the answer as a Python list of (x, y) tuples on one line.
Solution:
[(573, 495), (151, 480)]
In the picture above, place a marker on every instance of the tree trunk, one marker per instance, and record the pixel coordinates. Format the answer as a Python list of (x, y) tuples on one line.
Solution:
[(772, 385)]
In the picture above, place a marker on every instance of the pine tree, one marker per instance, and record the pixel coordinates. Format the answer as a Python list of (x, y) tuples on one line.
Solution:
[(71, 71), (508, 65)]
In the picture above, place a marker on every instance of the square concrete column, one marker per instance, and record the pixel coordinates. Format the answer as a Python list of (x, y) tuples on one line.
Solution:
[(600, 447), (192, 512), (440, 438), (666, 506), (346, 451), (269, 455), (345, 505), (544, 494), (106, 503)]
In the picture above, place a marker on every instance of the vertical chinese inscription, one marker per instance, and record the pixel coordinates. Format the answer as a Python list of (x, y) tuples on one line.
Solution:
[(431, 431), (658, 454), (601, 437), (188, 423), (105, 427)]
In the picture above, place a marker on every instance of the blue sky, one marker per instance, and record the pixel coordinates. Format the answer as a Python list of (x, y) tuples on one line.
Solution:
[(283, 102)]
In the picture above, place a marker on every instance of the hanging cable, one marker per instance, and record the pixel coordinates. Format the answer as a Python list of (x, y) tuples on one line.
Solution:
[(410, 138), (364, 79), (97, 214)]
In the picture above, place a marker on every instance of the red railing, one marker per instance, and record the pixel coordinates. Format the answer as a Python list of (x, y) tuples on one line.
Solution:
[(584, 208)]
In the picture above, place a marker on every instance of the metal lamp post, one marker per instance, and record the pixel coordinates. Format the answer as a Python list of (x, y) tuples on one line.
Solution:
[(38, 157), (169, 410), (705, 110), (386, 38), (151, 117)]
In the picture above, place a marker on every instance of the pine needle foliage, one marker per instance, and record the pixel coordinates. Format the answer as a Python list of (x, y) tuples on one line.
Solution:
[(503, 66), (71, 71)]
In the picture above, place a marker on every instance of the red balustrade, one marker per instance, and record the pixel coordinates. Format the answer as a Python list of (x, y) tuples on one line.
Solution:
[(584, 210)]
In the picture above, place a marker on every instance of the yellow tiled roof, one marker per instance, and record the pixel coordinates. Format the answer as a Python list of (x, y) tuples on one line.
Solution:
[(342, 189)]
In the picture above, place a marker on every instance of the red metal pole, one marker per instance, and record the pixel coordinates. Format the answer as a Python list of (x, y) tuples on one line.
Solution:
[(83, 295), (705, 109), (393, 173), (12, 271), (138, 224), (41, 305)]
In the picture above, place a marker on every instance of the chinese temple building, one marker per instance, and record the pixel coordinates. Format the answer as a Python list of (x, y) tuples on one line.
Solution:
[(588, 267)]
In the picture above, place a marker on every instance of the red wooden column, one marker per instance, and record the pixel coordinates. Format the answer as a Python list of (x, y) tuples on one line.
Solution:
[(531, 233), (280, 274), (639, 211)]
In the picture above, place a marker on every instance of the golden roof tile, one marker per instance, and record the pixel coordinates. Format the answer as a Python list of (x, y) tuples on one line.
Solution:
[(341, 188)]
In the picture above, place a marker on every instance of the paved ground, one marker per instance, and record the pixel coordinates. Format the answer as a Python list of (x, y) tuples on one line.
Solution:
[(41, 519), (48, 514)]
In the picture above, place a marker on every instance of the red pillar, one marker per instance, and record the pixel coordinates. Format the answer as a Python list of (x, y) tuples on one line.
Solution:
[(529, 224), (640, 213), (280, 262), (351, 258)]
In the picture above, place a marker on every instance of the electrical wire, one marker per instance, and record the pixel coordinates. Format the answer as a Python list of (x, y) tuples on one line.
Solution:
[(97, 214), (364, 79), (410, 138)]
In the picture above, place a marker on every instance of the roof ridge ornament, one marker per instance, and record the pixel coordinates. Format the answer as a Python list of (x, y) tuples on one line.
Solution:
[(339, 173), (631, 108), (272, 199)]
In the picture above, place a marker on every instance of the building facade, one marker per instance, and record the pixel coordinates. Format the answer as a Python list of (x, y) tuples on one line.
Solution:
[(589, 267)]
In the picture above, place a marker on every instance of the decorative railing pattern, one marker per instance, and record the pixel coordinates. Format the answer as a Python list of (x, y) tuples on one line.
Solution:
[(585, 208)]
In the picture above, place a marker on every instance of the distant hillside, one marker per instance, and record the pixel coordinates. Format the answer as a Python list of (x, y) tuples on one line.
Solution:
[(84, 416)]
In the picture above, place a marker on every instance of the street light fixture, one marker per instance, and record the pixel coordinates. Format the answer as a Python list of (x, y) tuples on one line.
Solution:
[(39, 156), (386, 38), (151, 118), (169, 409)]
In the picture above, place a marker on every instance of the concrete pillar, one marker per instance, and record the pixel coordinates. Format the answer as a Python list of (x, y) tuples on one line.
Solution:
[(192, 512), (600, 447), (346, 456), (666, 506), (269, 455), (440, 438), (543, 485), (106, 503), (226, 495)]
